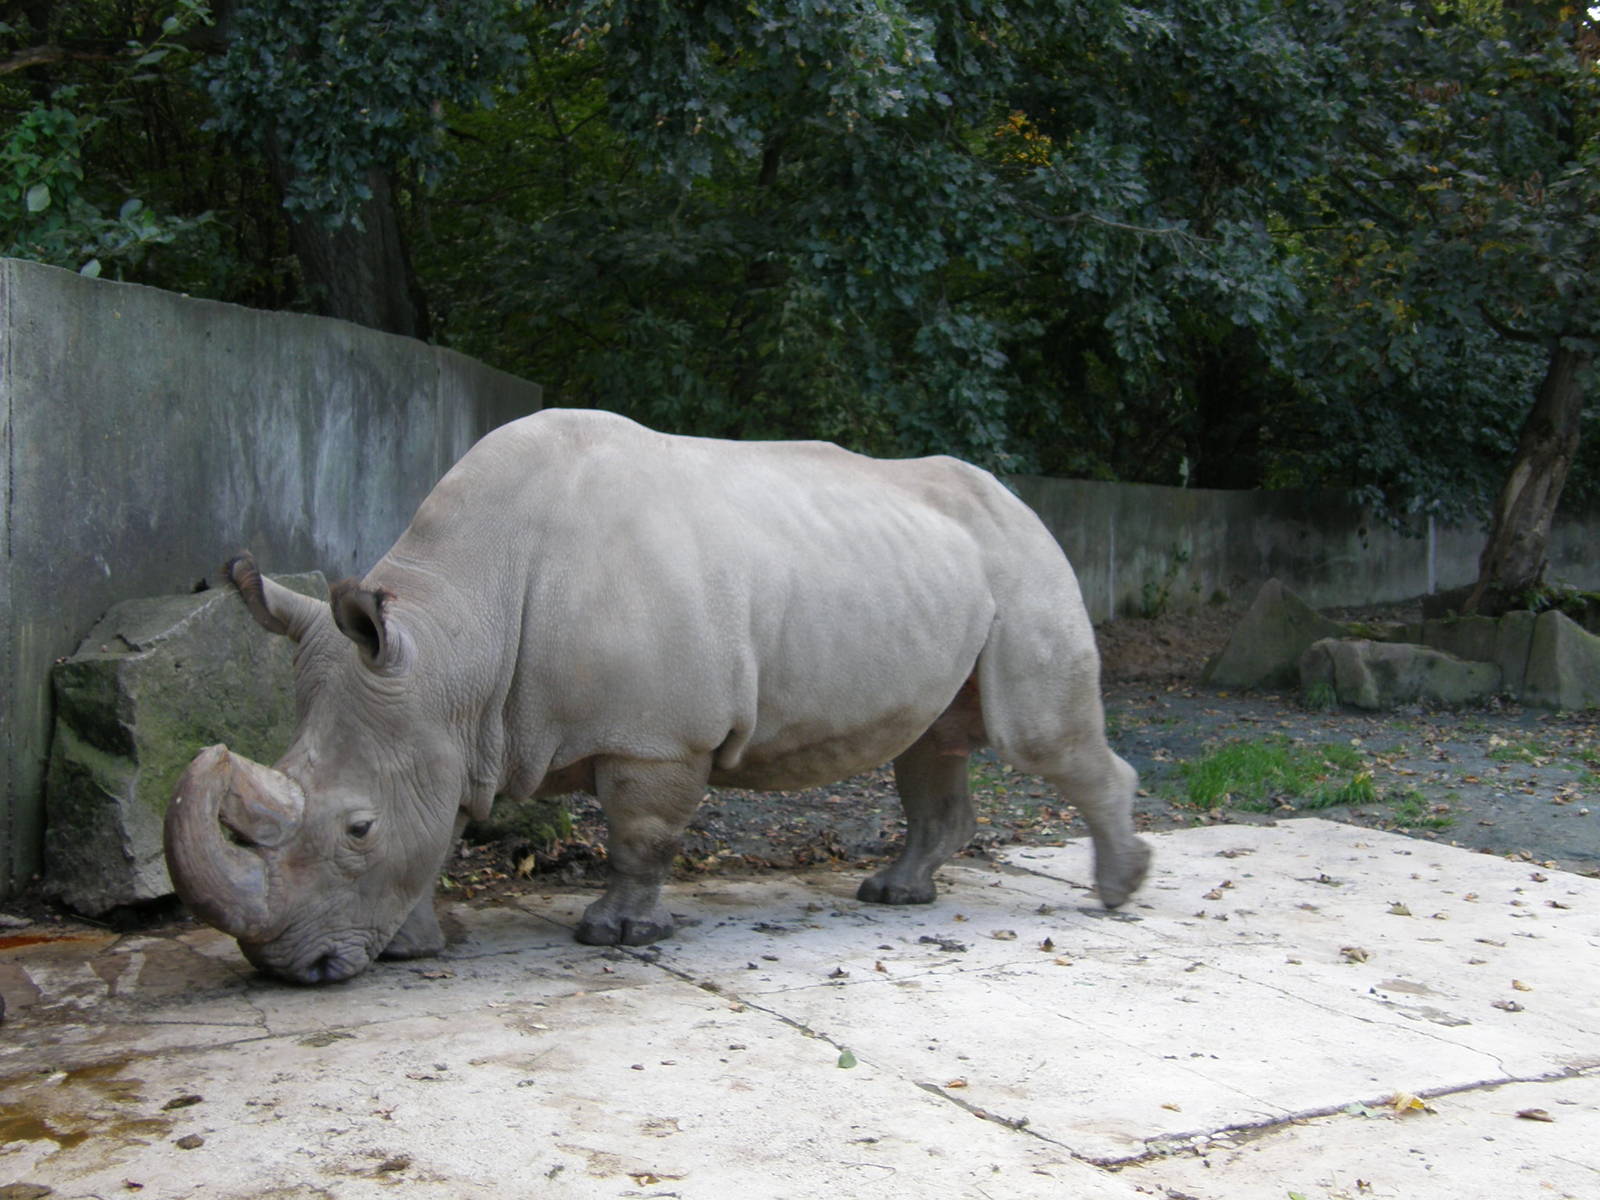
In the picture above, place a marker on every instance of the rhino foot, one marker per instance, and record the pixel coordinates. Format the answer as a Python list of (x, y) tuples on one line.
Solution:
[(1118, 876), (876, 889), (601, 926), (419, 936)]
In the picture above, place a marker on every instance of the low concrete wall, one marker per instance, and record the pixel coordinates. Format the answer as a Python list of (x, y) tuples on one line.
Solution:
[(1138, 547), (146, 436)]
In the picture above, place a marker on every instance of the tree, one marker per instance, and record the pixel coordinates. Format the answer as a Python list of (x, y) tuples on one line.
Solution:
[(344, 98), (71, 77), (1464, 202), (909, 227)]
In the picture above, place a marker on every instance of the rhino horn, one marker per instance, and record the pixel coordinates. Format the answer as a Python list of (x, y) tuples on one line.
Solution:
[(227, 814)]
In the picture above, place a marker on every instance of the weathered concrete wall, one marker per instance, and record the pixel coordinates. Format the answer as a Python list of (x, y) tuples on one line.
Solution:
[(146, 436), (1137, 546)]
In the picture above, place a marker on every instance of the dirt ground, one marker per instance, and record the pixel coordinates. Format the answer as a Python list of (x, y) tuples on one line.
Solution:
[(1501, 779)]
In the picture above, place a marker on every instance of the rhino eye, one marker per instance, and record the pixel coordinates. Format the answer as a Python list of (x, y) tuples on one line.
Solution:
[(359, 829)]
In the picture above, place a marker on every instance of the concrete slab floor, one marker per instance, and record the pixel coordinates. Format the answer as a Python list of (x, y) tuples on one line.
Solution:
[(1242, 1030)]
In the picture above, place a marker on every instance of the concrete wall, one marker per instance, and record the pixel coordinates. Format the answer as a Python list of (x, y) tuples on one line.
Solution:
[(1137, 545), (147, 436)]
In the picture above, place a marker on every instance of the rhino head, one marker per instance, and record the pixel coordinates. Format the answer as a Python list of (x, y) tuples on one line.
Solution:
[(324, 861)]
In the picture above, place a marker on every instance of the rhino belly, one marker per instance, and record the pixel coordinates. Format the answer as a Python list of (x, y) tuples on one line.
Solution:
[(810, 754)]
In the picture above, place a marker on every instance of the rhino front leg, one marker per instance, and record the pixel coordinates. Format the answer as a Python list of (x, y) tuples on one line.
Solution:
[(647, 807), (932, 781), (419, 936)]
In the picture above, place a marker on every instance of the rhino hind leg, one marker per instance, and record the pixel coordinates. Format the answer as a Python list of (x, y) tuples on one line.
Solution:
[(1100, 784), (932, 780), (419, 936), (647, 807), (1052, 723)]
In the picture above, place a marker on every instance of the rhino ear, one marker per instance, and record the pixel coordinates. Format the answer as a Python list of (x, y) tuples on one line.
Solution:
[(363, 615), (275, 608)]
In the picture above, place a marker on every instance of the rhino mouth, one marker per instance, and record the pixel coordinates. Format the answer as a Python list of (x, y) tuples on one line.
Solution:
[(321, 964)]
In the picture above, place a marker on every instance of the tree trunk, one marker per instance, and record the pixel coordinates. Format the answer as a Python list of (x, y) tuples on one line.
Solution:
[(1513, 560), (362, 275)]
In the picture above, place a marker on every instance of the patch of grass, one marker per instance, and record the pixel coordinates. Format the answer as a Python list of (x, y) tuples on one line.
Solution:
[(1320, 697), (1521, 752), (1258, 776), (1410, 808)]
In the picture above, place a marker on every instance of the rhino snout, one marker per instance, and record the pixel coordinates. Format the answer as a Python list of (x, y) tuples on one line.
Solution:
[(227, 814)]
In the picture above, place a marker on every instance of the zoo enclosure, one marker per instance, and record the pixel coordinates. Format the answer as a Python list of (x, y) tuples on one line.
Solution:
[(144, 436)]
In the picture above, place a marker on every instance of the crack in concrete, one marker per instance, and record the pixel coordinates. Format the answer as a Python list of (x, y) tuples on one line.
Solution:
[(1192, 1141)]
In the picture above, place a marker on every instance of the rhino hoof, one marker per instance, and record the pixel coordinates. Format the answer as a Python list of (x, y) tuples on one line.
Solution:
[(622, 933), (877, 890)]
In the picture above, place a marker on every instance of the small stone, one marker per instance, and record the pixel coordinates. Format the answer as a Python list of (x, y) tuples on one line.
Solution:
[(190, 1141)]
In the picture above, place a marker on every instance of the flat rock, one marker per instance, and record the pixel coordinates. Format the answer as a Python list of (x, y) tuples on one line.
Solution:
[(1382, 675), (156, 680)]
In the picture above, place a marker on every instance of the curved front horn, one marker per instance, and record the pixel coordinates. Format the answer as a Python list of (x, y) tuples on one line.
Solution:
[(227, 814)]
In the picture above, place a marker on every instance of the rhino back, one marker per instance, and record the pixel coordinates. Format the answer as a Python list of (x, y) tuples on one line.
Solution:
[(799, 609)]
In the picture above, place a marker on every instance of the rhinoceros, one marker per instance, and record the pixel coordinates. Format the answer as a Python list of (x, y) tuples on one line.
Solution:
[(582, 603)]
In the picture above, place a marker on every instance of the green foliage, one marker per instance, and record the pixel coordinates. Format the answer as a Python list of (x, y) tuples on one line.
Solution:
[(52, 207), (1452, 234), (338, 88), (1252, 242)]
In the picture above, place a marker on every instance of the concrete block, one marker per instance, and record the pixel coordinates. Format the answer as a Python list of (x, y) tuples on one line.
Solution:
[(1382, 675), (1563, 664), (155, 681), (1267, 644)]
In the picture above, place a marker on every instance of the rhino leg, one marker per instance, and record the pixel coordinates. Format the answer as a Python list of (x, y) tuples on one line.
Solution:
[(419, 936), (647, 807), (1101, 785), (932, 780)]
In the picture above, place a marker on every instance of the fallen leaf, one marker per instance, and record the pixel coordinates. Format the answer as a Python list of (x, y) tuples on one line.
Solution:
[(398, 1162), (1398, 909), (1172, 1108), (1535, 1114), (846, 1060), (956, 1083), (878, 966), (1507, 1005), (1353, 953), (181, 1102), (1402, 1103), (1520, 986), (1004, 935)]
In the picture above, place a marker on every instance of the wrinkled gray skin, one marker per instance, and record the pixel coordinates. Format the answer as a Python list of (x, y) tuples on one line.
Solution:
[(582, 603)]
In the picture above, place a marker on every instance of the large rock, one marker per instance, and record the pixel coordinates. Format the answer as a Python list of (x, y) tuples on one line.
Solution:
[(1381, 675), (154, 682), (1503, 641), (1563, 664), (1266, 645)]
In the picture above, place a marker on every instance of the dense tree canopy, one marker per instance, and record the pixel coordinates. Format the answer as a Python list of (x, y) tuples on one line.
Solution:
[(1246, 243)]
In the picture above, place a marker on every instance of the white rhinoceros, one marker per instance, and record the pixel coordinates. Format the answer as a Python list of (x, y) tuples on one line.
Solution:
[(585, 604)]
